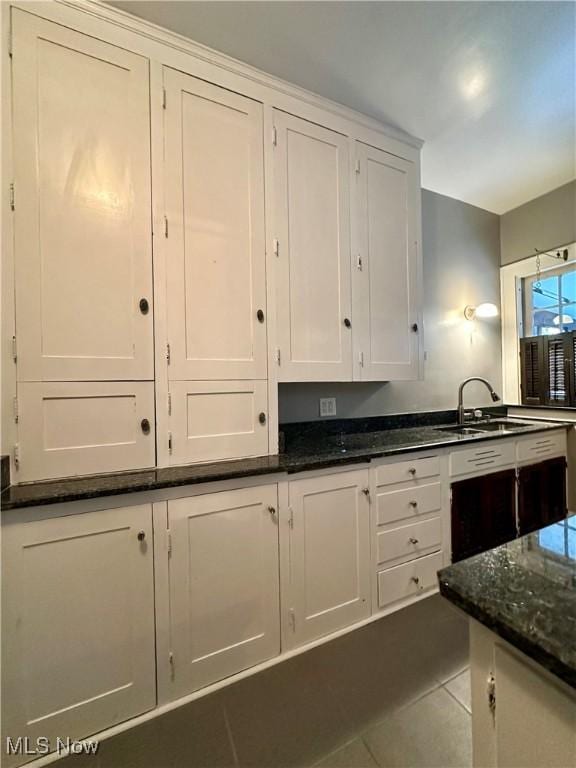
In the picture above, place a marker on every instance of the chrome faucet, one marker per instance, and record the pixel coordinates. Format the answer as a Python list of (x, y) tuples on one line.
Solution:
[(461, 412)]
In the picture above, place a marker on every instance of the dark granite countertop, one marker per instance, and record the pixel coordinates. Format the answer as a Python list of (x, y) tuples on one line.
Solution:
[(309, 448), (525, 591)]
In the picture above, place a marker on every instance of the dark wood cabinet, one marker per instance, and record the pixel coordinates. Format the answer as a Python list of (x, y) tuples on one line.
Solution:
[(483, 513), (541, 494)]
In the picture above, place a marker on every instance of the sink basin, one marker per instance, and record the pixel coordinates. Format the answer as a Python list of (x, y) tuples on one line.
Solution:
[(502, 426)]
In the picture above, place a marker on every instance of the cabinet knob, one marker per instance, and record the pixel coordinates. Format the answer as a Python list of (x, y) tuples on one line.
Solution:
[(272, 511), (144, 306), (260, 315), (366, 492), (415, 579), (347, 323), (141, 535), (413, 504), (145, 426), (415, 327), (262, 418), (412, 471), (413, 540)]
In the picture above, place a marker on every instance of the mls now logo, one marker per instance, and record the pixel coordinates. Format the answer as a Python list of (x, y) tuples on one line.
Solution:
[(23, 745)]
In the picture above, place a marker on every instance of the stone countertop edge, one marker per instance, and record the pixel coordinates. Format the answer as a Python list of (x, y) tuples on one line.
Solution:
[(307, 458), (514, 637)]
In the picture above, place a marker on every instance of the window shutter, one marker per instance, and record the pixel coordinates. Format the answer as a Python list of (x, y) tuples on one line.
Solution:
[(558, 352), (533, 375)]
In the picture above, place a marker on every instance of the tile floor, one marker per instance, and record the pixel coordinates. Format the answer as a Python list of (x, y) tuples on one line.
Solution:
[(394, 694)]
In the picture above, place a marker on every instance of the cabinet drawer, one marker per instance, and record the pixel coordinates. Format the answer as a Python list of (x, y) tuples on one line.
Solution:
[(402, 471), (408, 503), (409, 541), (408, 579), (483, 457), (542, 446)]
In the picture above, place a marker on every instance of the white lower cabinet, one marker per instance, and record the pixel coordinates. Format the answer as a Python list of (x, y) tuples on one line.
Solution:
[(329, 531), (77, 624), (224, 584)]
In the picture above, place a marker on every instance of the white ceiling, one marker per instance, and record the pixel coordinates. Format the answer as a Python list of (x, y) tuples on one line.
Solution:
[(489, 86)]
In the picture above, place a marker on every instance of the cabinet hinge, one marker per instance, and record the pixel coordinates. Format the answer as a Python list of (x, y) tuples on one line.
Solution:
[(12, 202), (361, 359), (169, 442), (169, 404), (293, 619), (274, 136), (14, 349), (278, 355), (169, 536), (168, 353), (17, 455), (276, 247), (290, 517), (357, 168), (359, 264), (165, 226), (15, 407), (163, 98), (491, 691), (10, 36), (171, 662)]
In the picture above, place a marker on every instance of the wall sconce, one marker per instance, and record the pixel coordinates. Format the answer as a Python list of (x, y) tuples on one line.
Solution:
[(487, 309)]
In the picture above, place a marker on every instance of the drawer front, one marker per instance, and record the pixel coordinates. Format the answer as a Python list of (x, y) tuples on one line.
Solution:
[(484, 457), (409, 579), (402, 471), (542, 446), (408, 503), (410, 541)]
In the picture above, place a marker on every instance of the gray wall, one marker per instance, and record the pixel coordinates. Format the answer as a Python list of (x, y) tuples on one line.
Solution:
[(461, 252), (546, 222)]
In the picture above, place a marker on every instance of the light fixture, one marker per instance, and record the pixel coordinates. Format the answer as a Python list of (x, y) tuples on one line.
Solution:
[(564, 320), (487, 309)]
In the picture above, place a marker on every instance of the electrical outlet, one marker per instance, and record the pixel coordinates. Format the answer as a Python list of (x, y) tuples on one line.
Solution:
[(327, 406)]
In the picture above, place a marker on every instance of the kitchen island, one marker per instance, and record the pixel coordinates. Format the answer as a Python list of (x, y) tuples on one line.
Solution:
[(521, 599)]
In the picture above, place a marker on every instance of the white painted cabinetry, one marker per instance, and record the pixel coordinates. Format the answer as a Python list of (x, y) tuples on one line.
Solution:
[(83, 235), (77, 623), (386, 277), (328, 586), (224, 584), (215, 268), (312, 226)]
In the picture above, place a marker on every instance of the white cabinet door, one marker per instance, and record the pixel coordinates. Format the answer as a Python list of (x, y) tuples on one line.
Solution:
[(224, 590), (77, 623), (312, 226), (329, 553), (84, 428), (214, 186), (82, 212), (217, 420), (385, 280)]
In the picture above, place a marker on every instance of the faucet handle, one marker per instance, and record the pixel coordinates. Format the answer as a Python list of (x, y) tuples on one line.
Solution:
[(468, 416), (478, 413)]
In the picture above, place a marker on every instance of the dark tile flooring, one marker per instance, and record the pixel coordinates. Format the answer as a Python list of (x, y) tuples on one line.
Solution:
[(394, 694)]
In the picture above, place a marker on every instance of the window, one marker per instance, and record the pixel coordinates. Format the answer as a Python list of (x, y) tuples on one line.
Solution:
[(550, 302), (560, 538)]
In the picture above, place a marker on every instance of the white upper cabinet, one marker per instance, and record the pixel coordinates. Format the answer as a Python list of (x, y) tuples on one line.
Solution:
[(83, 233), (224, 584), (214, 188), (312, 226), (386, 274), (77, 624)]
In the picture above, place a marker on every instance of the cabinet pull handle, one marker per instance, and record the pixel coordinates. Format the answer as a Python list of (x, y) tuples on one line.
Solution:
[(413, 540), (415, 327), (347, 323), (413, 504), (145, 426), (141, 535), (366, 491), (272, 511), (412, 471), (260, 316), (262, 418), (144, 306), (416, 580)]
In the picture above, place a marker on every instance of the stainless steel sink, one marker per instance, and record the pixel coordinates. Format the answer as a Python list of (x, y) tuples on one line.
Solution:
[(499, 426)]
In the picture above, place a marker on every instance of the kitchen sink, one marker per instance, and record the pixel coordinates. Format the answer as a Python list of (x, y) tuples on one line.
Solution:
[(502, 426)]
